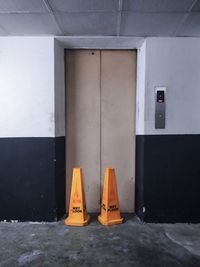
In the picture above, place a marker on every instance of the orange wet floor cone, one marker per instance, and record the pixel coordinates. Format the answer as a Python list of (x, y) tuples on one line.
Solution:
[(110, 213), (77, 208)]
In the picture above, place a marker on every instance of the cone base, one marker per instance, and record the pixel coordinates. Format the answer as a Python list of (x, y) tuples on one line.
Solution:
[(70, 222), (110, 222)]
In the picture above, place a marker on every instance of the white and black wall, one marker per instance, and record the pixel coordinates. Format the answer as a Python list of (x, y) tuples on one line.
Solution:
[(32, 127), (32, 178), (168, 169)]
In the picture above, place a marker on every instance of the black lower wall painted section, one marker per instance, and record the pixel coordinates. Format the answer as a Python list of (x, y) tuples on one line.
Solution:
[(60, 170), (32, 173), (168, 178), (32, 178)]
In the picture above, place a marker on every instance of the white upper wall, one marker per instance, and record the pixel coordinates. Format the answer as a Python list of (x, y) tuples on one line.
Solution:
[(32, 87), (27, 87), (59, 88), (174, 63), (140, 89)]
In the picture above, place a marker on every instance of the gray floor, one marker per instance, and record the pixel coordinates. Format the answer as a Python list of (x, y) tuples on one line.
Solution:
[(130, 244)]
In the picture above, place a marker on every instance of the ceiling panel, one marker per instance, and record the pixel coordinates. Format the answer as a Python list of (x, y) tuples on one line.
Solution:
[(150, 24), (100, 17), (28, 24), (88, 23), (157, 5), (196, 6), (83, 5), (191, 27), (22, 6)]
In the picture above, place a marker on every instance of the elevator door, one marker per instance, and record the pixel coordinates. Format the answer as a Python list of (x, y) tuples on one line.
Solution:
[(100, 121)]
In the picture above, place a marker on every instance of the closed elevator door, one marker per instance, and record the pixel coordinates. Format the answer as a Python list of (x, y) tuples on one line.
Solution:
[(100, 121)]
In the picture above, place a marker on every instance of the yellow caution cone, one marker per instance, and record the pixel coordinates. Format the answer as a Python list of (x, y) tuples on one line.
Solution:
[(110, 213), (77, 208)]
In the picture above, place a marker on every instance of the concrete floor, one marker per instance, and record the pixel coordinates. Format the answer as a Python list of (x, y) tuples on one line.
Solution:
[(130, 244)]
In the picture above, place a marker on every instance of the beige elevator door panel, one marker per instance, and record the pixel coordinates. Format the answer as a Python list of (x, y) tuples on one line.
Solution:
[(118, 71), (83, 122), (100, 122)]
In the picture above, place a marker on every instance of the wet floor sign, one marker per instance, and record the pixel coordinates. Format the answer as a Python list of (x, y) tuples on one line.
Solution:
[(77, 209), (110, 213)]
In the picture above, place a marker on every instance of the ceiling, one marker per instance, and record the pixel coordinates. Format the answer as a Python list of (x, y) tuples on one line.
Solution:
[(100, 17)]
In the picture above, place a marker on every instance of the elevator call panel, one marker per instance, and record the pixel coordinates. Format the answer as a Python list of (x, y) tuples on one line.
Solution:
[(160, 105)]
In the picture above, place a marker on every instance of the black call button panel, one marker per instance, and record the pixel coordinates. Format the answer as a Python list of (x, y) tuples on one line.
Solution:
[(160, 96), (160, 108)]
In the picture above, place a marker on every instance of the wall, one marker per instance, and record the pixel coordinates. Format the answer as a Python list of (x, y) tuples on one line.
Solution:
[(59, 107), (175, 63), (168, 159), (59, 88), (32, 142), (27, 87), (29, 151)]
